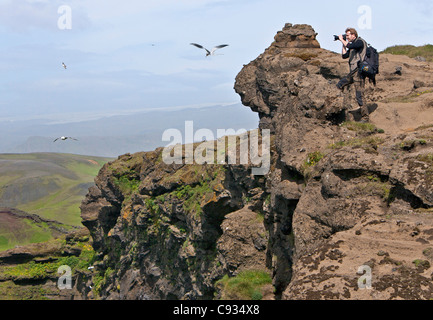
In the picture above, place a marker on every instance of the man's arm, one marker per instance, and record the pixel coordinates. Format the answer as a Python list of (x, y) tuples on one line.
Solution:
[(357, 45), (344, 52), (344, 42)]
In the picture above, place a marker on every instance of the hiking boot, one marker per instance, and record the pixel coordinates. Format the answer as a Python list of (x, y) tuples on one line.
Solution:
[(371, 107), (364, 112)]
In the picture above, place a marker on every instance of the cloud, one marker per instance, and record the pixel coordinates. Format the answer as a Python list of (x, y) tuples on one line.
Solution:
[(136, 54), (425, 7), (24, 15)]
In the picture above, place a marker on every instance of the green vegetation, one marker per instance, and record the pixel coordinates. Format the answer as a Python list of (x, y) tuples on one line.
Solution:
[(194, 195), (152, 206), (407, 145), (359, 126), (428, 159), (126, 185), (369, 144), (100, 279), (34, 270), (48, 257), (12, 291), (367, 140), (426, 126), (200, 183), (407, 98), (247, 285), (313, 158), (365, 127), (425, 51), (376, 186), (50, 185), (29, 233), (126, 173), (425, 264), (20, 228)]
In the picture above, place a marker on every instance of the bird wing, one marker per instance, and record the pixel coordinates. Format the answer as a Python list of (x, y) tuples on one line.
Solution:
[(219, 47), (56, 139), (72, 138), (200, 46), (197, 45)]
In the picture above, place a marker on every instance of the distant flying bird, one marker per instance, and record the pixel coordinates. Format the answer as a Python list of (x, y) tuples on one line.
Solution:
[(64, 138), (64, 65), (209, 53)]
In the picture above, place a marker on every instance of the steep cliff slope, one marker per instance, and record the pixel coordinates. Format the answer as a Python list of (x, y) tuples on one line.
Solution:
[(158, 228), (340, 194), (345, 194)]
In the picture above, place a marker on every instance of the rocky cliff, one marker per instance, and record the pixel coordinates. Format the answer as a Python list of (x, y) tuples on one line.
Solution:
[(344, 191)]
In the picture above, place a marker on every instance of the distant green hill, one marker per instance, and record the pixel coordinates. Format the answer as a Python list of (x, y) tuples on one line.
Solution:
[(50, 185), (20, 228), (425, 51)]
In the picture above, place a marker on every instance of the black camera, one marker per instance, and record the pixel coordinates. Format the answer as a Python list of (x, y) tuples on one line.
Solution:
[(337, 38)]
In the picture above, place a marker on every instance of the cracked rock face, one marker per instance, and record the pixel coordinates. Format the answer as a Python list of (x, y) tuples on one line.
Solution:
[(331, 177), (339, 195), (169, 231)]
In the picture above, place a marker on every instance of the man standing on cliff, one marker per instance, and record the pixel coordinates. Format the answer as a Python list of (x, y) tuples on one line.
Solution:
[(354, 49)]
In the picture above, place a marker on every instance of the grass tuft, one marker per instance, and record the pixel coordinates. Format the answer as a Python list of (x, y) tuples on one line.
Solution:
[(425, 51), (245, 286)]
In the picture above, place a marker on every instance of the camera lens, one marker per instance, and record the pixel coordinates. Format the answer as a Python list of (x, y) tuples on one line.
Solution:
[(337, 37)]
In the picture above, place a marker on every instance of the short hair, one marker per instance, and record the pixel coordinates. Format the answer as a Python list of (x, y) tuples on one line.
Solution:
[(352, 31)]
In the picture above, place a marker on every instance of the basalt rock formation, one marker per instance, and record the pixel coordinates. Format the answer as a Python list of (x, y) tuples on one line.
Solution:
[(169, 231), (341, 196)]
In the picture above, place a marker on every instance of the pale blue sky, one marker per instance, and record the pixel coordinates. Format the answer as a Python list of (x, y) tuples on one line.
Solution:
[(133, 55)]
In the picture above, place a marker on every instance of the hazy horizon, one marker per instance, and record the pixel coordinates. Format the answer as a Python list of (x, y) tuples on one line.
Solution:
[(136, 56), (112, 135)]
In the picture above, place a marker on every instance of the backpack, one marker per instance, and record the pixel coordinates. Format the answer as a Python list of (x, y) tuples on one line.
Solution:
[(369, 67)]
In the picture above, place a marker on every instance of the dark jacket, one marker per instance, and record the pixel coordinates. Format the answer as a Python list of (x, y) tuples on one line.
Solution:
[(356, 51)]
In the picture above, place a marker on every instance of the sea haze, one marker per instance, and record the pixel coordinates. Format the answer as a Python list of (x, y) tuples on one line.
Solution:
[(111, 136)]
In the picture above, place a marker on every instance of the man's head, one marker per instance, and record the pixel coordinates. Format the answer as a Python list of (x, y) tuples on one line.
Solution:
[(351, 34)]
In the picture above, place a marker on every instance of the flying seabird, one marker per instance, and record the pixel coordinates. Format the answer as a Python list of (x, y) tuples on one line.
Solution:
[(210, 53), (64, 138), (64, 65)]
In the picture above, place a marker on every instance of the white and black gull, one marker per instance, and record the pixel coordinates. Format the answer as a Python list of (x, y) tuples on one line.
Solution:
[(211, 52), (64, 138)]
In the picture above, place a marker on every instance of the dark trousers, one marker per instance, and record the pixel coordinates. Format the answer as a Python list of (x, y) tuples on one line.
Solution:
[(359, 82)]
